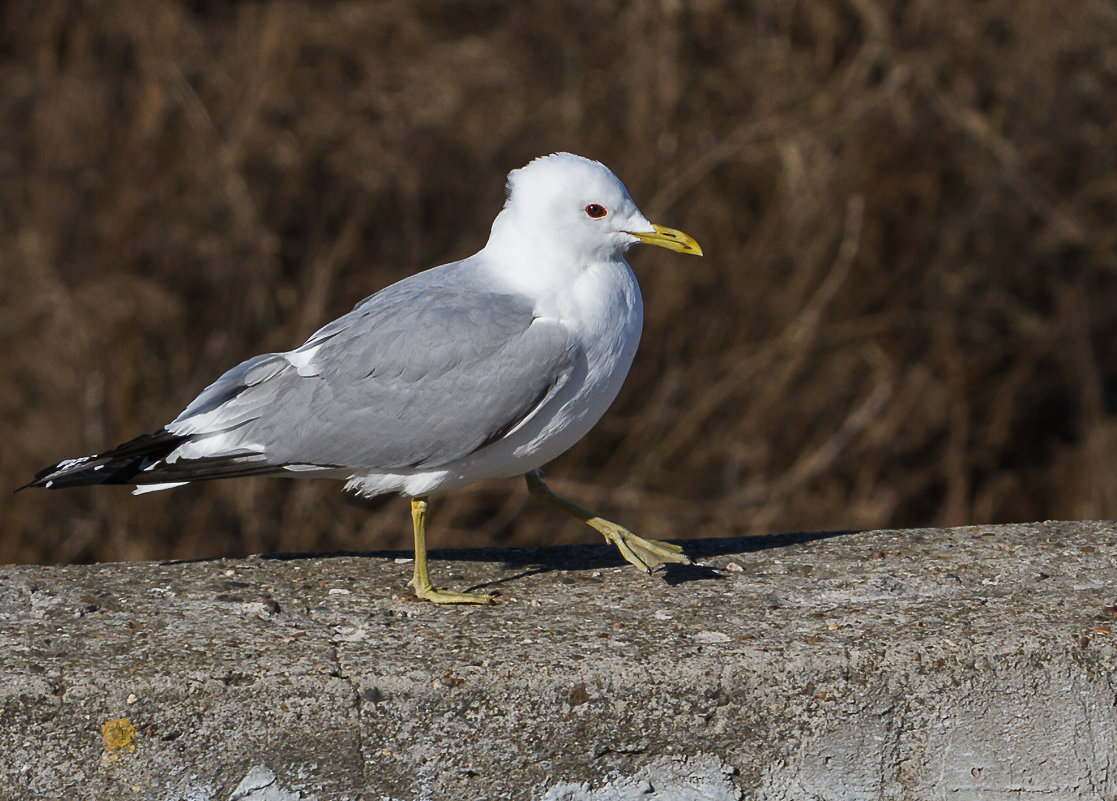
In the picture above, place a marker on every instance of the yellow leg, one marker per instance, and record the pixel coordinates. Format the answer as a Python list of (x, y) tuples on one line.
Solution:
[(645, 554), (421, 581)]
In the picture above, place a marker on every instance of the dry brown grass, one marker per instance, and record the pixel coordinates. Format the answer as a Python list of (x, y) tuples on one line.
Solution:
[(906, 314)]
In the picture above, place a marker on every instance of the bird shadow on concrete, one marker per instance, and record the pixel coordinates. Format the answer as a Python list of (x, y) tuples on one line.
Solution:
[(547, 559)]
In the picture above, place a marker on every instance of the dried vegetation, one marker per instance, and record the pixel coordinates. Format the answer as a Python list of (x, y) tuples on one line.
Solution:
[(907, 313)]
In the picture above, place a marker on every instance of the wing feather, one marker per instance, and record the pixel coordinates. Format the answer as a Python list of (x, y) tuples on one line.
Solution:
[(419, 375)]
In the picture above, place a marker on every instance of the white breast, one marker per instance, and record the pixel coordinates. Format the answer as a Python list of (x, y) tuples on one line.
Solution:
[(603, 310)]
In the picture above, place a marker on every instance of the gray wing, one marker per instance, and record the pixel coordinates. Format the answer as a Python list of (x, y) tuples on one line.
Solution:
[(421, 374)]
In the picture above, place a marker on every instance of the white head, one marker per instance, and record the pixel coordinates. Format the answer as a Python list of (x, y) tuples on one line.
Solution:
[(573, 209)]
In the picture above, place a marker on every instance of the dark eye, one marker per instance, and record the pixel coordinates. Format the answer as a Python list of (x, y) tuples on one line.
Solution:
[(596, 211)]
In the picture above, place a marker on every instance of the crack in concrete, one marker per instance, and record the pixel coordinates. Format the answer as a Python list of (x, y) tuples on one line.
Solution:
[(356, 689)]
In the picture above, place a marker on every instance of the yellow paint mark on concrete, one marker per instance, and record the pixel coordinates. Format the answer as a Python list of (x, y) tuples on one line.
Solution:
[(118, 733)]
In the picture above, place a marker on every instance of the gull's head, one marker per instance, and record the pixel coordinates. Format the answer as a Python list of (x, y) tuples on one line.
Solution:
[(576, 210)]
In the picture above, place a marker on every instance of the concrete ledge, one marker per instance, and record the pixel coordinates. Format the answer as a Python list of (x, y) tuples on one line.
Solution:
[(972, 663)]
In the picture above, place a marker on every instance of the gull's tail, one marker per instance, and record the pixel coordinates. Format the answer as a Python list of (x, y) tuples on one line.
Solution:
[(129, 463), (144, 462)]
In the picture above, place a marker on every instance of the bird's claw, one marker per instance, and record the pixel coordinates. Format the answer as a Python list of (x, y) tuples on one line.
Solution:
[(644, 554), (429, 593)]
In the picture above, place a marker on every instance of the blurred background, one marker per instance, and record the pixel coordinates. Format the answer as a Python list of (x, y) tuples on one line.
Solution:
[(906, 316)]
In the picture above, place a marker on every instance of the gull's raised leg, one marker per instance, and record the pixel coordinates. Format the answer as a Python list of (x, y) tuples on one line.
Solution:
[(645, 554), (421, 582)]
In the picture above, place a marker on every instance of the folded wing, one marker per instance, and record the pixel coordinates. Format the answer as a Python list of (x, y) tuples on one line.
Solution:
[(417, 376)]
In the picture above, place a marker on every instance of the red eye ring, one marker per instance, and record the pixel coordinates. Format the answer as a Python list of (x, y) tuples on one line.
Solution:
[(596, 211)]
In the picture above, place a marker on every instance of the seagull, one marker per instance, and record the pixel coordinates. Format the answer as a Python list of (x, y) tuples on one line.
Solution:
[(488, 367)]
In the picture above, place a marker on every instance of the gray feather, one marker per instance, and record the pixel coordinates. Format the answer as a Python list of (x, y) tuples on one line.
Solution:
[(421, 374)]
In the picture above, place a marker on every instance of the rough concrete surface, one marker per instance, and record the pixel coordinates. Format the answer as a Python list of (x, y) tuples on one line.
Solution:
[(971, 663)]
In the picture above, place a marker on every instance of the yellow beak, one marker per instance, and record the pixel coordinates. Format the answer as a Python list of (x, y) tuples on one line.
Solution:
[(669, 238)]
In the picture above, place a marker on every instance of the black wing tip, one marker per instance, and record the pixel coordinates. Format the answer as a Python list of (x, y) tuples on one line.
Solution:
[(140, 462), (51, 477), (120, 465), (80, 472)]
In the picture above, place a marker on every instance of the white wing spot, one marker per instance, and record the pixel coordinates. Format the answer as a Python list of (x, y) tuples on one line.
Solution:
[(145, 488), (303, 360), (70, 464)]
